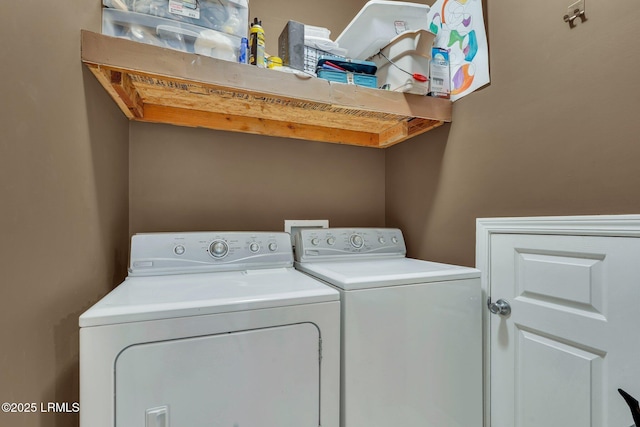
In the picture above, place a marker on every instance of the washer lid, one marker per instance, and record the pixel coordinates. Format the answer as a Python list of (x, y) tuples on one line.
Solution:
[(365, 274), (181, 295)]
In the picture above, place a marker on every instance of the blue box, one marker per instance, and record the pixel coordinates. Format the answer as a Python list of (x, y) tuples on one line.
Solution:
[(349, 65), (365, 80), (361, 73)]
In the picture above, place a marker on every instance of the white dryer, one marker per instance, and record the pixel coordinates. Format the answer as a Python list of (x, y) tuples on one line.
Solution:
[(211, 329), (411, 329)]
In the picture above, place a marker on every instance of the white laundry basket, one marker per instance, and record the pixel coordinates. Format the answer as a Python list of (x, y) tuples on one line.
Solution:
[(407, 54)]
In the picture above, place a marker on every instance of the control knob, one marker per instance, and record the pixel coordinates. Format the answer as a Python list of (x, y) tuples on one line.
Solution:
[(218, 249), (356, 241)]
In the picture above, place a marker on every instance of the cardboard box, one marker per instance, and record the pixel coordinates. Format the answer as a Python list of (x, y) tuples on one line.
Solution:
[(440, 74)]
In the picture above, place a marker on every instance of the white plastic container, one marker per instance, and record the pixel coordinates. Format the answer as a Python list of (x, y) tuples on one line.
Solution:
[(406, 55), (378, 22), (169, 34), (227, 16), (216, 45), (319, 32), (315, 47), (325, 45)]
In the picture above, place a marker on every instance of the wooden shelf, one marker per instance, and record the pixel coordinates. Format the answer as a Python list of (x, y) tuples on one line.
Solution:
[(153, 84)]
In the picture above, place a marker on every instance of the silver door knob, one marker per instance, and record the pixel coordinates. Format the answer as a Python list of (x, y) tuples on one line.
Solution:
[(500, 307)]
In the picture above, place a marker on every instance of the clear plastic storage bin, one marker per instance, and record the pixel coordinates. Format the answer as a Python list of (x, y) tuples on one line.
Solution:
[(227, 16), (170, 34)]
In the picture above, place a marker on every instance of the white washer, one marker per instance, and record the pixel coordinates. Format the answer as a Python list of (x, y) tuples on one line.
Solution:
[(211, 329), (411, 330)]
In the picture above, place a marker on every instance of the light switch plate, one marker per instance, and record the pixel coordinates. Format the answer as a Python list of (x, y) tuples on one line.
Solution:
[(292, 226)]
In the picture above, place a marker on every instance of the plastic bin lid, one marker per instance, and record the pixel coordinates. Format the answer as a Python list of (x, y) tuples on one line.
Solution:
[(378, 22), (363, 67), (311, 30)]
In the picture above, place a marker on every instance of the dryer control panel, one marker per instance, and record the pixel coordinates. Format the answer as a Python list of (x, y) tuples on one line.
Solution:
[(338, 243), (173, 253)]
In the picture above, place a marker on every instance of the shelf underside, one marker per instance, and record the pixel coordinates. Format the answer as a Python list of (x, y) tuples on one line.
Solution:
[(153, 84)]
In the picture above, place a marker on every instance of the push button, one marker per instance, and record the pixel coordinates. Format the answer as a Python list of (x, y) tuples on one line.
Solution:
[(157, 417)]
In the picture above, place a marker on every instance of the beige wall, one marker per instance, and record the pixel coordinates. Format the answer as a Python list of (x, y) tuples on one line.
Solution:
[(197, 179), (556, 132), (63, 202)]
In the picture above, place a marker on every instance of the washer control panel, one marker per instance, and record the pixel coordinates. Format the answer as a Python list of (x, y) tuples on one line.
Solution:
[(317, 244), (173, 253)]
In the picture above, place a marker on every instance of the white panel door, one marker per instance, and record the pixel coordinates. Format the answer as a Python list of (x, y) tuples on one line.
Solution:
[(263, 377), (571, 339)]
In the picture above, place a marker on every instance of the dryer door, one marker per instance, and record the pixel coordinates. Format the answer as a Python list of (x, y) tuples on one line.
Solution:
[(262, 377)]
